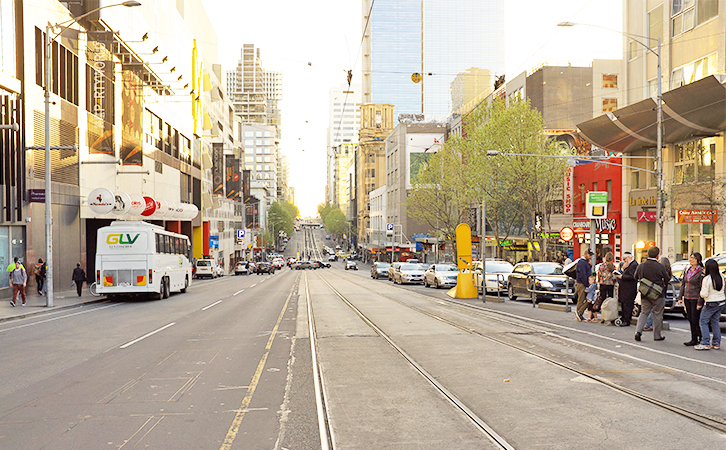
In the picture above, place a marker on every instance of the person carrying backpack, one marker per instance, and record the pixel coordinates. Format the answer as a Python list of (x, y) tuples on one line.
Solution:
[(19, 279)]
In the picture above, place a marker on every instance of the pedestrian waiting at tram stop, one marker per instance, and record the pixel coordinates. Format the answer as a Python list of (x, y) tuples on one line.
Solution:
[(591, 295)]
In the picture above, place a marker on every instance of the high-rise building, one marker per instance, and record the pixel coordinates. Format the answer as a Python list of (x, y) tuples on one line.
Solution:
[(343, 127), (246, 87), (437, 39), (272, 82)]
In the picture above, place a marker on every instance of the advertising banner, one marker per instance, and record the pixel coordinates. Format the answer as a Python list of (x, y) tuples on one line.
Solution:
[(233, 178), (568, 191), (246, 175), (217, 169), (131, 121), (100, 95)]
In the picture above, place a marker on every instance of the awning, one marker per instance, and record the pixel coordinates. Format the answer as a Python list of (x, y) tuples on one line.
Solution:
[(692, 111)]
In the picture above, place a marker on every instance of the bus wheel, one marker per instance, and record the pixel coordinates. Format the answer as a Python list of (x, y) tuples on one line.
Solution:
[(186, 285), (164, 288)]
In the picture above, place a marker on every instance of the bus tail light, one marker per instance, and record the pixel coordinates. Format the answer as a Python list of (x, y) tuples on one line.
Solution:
[(98, 276), (151, 280)]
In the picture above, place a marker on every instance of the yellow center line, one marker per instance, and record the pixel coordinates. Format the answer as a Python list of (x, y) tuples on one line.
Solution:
[(234, 428)]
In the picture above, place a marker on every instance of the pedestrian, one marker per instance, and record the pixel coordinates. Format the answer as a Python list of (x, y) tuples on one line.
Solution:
[(591, 292), (567, 261), (41, 269), (628, 288), (605, 281), (712, 302), (583, 271), (655, 272), (690, 296), (19, 279), (79, 276)]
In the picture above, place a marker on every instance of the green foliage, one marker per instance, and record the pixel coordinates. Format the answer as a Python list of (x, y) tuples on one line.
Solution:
[(333, 218), (291, 209), (279, 218)]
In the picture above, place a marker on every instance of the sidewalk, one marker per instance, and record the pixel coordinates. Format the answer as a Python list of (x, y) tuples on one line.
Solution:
[(35, 304)]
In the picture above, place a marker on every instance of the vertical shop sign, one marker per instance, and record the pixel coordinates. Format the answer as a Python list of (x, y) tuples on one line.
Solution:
[(131, 122), (232, 177), (100, 95), (567, 192), (217, 169)]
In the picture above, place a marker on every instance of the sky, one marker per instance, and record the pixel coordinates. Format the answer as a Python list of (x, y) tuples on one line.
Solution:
[(314, 43)]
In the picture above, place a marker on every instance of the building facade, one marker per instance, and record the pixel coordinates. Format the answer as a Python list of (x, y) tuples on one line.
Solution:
[(343, 127)]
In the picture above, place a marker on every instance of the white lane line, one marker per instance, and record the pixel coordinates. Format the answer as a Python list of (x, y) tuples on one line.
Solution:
[(238, 292), (128, 344), (253, 285), (57, 318), (213, 304)]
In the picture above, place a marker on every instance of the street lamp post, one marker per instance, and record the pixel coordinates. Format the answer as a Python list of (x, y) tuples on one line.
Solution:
[(659, 122), (48, 211)]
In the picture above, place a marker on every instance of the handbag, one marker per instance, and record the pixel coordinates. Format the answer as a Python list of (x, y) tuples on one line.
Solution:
[(649, 290)]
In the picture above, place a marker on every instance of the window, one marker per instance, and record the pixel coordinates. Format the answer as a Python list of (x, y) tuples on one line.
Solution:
[(609, 81), (632, 50), (609, 104), (694, 71), (64, 67), (695, 161), (687, 14)]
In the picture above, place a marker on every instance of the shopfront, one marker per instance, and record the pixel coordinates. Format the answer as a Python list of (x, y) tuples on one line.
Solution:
[(694, 232), (607, 235)]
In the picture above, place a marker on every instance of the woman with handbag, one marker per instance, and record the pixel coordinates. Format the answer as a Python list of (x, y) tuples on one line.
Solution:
[(690, 294)]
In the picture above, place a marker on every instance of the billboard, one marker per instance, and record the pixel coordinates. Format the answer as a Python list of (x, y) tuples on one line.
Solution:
[(232, 178), (100, 94), (217, 169), (131, 120), (246, 175)]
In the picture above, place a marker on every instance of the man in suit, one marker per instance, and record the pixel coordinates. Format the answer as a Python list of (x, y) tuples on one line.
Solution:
[(628, 287), (79, 276), (651, 269)]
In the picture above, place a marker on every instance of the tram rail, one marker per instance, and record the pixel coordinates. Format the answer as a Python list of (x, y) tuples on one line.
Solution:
[(714, 423)]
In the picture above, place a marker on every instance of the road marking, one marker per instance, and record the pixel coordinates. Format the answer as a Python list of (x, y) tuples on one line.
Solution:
[(253, 285), (234, 428), (213, 304), (238, 292), (128, 344), (57, 318)]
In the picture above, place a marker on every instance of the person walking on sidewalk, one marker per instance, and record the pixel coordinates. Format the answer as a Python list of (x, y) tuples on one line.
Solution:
[(79, 276), (19, 279), (712, 302), (652, 270), (40, 271), (582, 274), (628, 288), (690, 296)]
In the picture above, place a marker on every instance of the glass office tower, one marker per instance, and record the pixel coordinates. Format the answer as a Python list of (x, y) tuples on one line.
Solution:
[(439, 38)]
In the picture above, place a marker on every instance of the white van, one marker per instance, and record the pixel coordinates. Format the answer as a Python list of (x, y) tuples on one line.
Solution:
[(207, 268)]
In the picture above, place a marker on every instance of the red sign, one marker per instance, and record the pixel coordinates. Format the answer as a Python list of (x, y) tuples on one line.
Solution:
[(566, 234), (568, 191), (697, 216), (646, 216), (150, 207)]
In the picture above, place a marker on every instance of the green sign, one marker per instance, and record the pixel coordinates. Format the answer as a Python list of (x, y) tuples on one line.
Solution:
[(597, 198)]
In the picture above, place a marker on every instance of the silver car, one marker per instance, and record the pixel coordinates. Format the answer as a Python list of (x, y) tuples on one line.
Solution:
[(408, 273), (379, 269), (497, 275), (441, 275)]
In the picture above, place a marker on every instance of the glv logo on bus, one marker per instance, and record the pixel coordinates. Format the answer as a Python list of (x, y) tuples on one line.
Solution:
[(114, 239)]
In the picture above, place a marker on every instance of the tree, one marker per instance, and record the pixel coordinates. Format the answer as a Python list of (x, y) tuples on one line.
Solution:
[(278, 218), (291, 209), (333, 218)]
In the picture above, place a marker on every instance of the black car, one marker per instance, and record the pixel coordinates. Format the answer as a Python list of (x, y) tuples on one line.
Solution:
[(545, 277), (264, 267)]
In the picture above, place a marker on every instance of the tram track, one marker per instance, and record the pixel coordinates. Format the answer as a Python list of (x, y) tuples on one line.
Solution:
[(714, 423)]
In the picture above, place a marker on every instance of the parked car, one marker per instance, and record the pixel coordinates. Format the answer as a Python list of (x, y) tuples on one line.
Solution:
[(220, 271), (540, 276), (441, 275), (323, 264), (241, 268), (207, 268), (351, 265), (408, 273), (264, 267), (392, 268), (496, 277), (332, 258), (379, 269)]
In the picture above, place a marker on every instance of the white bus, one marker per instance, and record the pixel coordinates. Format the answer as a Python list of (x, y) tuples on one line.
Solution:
[(140, 258)]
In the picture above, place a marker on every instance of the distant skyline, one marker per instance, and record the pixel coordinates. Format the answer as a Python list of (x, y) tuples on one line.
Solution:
[(315, 43)]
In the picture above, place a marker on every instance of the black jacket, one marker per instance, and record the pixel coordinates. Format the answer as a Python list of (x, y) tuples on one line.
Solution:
[(654, 271), (691, 289), (628, 288), (79, 275)]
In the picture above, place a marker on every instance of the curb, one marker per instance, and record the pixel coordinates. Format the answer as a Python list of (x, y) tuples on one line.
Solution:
[(52, 309)]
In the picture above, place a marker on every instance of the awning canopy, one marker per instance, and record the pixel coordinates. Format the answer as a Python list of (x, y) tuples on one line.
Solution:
[(689, 112)]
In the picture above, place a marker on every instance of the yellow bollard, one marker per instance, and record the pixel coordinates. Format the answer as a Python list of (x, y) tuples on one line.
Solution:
[(465, 280)]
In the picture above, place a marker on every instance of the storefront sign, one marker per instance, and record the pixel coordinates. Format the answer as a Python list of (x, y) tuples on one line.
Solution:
[(601, 225), (567, 233), (646, 216), (641, 200), (36, 195), (596, 205), (568, 191), (697, 216)]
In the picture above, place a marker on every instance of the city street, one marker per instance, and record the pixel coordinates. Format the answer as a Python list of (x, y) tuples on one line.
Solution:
[(228, 365)]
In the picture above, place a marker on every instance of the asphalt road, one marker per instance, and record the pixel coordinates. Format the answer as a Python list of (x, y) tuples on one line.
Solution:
[(205, 369)]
